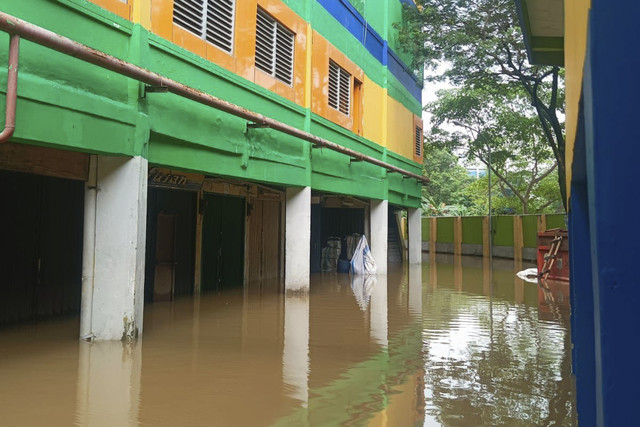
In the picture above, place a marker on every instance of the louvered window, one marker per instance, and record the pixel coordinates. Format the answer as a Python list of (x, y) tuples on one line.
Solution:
[(211, 20), (418, 142), (274, 48), (339, 88)]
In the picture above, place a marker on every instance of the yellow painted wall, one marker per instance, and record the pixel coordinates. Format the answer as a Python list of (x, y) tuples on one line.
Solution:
[(575, 44), (399, 129), (373, 117)]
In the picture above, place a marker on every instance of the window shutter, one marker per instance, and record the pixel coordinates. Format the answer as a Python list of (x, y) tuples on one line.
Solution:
[(220, 17), (189, 14), (418, 142), (284, 55), (339, 88), (274, 48), (211, 20)]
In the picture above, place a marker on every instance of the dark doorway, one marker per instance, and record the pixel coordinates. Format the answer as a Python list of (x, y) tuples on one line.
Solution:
[(329, 223), (41, 239), (171, 230), (164, 284), (222, 242), (263, 240)]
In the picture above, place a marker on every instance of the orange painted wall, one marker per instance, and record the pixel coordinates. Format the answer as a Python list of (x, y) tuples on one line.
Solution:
[(373, 114), (242, 60), (115, 6)]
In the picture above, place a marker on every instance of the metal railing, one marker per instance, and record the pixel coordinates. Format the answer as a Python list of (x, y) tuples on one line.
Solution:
[(18, 28)]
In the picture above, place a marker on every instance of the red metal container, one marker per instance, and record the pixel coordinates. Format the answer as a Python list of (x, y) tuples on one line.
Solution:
[(560, 268)]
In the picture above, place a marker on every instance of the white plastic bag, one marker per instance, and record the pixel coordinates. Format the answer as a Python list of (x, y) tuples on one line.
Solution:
[(362, 261)]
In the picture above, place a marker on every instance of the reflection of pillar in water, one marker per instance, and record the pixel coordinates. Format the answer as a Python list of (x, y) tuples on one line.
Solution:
[(457, 272), (108, 383), (295, 354), (486, 276), (433, 271), (518, 283), (415, 289), (378, 313)]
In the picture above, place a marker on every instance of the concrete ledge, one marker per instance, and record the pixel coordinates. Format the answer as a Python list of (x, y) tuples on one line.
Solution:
[(528, 254)]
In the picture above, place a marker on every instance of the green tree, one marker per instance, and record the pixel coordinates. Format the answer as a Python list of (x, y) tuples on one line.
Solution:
[(446, 191), (498, 130), (481, 44)]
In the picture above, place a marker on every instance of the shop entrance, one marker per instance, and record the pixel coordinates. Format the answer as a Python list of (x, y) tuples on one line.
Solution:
[(223, 239), (41, 240), (171, 231)]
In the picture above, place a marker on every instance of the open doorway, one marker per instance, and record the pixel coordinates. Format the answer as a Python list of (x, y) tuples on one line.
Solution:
[(222, 242)]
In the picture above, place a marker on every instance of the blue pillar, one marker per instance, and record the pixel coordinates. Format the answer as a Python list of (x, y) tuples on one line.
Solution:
[(612, 145), (582, 332)]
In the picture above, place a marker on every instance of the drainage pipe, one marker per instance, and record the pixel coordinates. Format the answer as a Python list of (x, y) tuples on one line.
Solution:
[(89, 250), (39, 35), (12, 89)]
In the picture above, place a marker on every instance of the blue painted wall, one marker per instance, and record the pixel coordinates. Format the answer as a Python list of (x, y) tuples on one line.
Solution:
[(604, 206)]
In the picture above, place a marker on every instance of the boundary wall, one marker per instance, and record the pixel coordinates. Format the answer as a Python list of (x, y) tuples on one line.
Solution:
[(512, 235)]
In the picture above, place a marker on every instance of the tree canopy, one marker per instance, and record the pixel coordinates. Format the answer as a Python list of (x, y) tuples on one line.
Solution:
[(481, 45)]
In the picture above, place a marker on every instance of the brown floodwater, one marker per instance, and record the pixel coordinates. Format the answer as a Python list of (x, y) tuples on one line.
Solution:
[(448, 344)]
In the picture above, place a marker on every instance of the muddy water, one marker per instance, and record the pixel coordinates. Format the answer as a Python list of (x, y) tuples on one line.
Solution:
[(448, 344)]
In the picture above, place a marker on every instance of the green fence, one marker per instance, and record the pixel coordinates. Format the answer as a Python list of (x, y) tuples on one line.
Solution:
[(502, 226)]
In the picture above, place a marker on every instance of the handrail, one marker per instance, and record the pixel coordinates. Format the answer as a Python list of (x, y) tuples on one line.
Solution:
[(12, 89), (41, 36)]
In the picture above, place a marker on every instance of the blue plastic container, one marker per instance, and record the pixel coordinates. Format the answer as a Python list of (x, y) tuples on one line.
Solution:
[(343, 266)]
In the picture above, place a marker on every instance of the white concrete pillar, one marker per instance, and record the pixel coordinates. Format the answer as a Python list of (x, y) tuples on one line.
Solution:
[(112, 307), (378, 316), (295, 353), (379, 233), (108, 392), (414, 221), (297, 239)]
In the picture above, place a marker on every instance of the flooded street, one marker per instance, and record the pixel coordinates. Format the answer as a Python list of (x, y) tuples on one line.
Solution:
[(448, 344)]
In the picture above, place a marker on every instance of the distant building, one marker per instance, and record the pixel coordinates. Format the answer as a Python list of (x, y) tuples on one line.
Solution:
[(476, 171)]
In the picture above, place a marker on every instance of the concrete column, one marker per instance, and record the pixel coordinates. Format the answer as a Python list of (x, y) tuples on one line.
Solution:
[(379, 233), (378, 315), (297, 239), (108, 384), (115, 252), (414, 221), (295, 354)]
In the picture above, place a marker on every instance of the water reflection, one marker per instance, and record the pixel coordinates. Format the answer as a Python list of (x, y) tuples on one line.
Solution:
[(489, 361), (378, 327), (108, 384), (446, 344), (295, 354)]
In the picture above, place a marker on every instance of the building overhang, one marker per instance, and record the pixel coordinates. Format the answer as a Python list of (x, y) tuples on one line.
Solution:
[(542, 23)]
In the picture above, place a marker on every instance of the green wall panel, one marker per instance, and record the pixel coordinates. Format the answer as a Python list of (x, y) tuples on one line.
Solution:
[(426, 229), (444, 232), (502, 230), (555, 221), (472, 230)]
